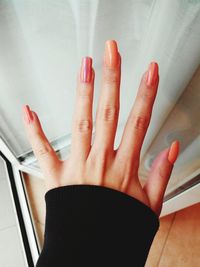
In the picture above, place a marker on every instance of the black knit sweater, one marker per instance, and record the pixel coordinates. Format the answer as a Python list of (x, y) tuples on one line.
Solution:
[(89, 225)]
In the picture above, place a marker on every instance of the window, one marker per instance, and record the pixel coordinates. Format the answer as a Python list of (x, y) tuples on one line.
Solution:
[(42, 43)]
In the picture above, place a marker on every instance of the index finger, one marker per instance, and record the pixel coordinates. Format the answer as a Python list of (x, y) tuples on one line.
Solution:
[(140, 115)]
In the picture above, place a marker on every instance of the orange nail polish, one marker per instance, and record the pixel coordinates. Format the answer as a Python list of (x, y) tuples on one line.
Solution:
[(111, 54), (173, 152), (28, 116), (86, 69), (152, 75)]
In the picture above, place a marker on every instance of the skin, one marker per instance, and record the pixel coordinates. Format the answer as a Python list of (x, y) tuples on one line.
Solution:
[(99, 163)]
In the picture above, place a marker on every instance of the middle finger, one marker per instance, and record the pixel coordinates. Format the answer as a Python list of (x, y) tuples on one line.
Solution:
[(108, 105)]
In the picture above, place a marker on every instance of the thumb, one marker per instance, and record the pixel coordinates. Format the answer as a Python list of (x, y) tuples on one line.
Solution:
[(42, 149), (159, 176)]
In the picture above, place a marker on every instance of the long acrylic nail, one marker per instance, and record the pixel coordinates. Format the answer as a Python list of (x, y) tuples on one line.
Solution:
[(173, 152), (27, 114), (86, 70), (111, 54), (152, 75)]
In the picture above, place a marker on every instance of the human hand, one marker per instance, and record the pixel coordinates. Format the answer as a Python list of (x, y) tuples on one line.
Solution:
[(99, 164)]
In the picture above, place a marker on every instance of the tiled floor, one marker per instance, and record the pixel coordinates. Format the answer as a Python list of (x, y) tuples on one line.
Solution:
[(177, 242), (11, 253)]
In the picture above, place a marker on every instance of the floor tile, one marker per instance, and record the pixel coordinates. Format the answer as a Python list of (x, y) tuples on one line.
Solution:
[(10, 248), (7, 215), (182, 248), (159, 241)]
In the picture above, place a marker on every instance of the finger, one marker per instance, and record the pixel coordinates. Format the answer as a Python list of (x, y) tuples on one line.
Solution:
[(42, 149), (82, 117), (108, 105), (140, 115), (159, 176)]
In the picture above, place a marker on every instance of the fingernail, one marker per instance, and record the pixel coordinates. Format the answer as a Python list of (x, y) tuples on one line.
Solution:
[(111, 54), (86, 70), (173, 152), (152, 75), (27, 114)]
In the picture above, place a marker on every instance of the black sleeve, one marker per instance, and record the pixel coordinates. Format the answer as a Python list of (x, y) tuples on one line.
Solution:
[(89, 225)]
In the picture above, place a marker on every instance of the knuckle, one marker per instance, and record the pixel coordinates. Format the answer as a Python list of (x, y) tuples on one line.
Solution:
[(111, 76), (140, 122), (127, 159), (110, 113), (147, 95), (98, 157), (42, 151), (84, 95), (84, 125), (161, 173)]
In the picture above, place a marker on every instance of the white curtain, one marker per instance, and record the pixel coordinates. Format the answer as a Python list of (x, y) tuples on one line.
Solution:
[(41, 45)]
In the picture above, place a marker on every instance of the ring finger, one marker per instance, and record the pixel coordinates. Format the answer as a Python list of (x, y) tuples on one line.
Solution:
[(82, 117), (139, 117)]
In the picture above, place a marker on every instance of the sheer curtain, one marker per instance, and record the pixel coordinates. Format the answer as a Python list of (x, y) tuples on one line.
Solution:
[(42, 43)]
